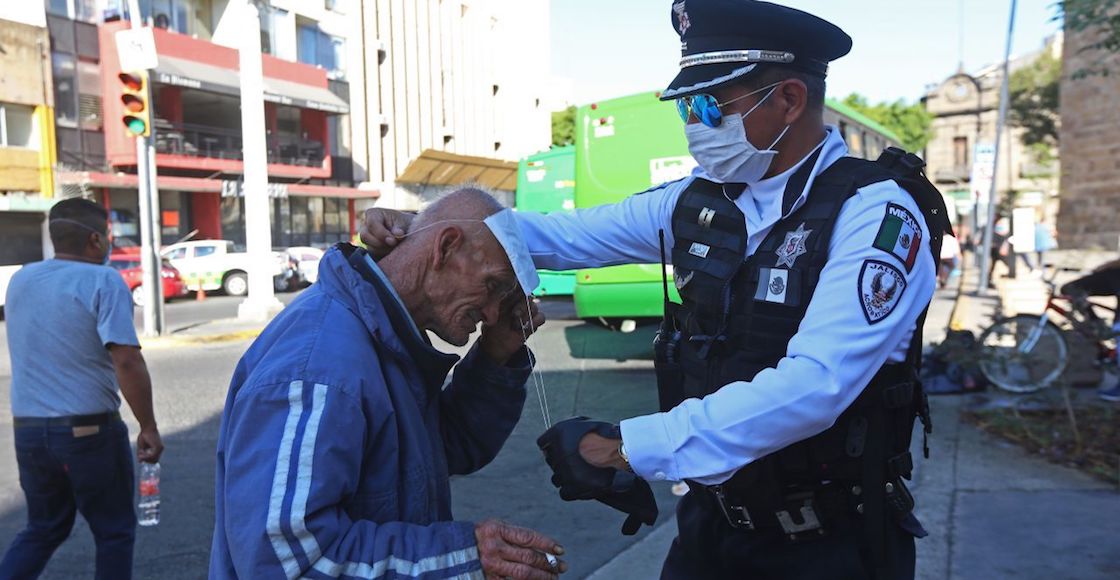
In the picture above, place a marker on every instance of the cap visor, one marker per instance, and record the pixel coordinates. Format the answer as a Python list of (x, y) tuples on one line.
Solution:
[(697, 79)]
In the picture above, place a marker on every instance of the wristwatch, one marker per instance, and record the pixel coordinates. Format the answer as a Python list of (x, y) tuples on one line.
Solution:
[(625, 456)]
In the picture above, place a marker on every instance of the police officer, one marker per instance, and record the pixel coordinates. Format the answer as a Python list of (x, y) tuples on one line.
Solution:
[(787, 376)]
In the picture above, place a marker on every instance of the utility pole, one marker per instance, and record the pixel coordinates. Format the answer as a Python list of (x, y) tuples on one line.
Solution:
[(150, 262), (261, 303), (993, 201)]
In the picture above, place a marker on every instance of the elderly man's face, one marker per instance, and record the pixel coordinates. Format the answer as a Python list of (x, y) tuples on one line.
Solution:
[(470, 286)]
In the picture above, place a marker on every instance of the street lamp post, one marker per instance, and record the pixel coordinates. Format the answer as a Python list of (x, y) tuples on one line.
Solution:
[(1004, 97), (261, 302)]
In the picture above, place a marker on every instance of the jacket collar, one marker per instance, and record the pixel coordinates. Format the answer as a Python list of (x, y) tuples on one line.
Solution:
[(351, 276)]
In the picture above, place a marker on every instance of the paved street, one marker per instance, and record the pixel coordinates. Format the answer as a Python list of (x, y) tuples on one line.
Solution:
[(585, 369), (190, 390)]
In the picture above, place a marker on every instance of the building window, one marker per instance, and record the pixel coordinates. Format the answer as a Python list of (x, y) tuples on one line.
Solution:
[(960, 152), (17, 126), (272, 20), (89, 96), (318, 48), (65, 70), (84, 10), (174, 15)]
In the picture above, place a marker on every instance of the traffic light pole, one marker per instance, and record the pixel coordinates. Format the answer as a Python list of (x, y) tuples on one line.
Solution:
[(150, 262)]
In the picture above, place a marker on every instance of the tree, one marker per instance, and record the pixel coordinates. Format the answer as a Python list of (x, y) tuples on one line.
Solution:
[(1098, 19), (1035, 96), (911, 122), (564, 127)]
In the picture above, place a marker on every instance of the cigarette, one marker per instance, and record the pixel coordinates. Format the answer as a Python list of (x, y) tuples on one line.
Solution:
[(552, 561)]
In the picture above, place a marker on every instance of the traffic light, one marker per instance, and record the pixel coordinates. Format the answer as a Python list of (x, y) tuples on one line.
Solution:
[(137, 109)]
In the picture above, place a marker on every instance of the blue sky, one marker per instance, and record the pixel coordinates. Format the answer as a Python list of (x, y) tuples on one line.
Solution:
[(610, 48)]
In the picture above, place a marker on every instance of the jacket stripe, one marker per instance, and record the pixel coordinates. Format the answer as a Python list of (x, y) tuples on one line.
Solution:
[(399, 566), (276, 536), (303, 476)]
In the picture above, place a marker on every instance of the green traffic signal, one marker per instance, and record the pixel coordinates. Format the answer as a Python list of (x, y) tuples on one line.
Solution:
[(136, 126)]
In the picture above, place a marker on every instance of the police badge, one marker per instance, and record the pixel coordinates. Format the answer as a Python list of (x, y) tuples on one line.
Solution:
[(880, 288), (793, 247), (683, 23)]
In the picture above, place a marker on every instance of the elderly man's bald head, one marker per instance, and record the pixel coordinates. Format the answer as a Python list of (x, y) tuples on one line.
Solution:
[(468, 203), (455, 268)]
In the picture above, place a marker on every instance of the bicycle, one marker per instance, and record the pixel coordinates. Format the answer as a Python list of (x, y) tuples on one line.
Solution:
[(1026, 353)]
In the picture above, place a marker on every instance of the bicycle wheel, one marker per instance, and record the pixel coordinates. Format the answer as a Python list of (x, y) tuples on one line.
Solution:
[(1022, 354)]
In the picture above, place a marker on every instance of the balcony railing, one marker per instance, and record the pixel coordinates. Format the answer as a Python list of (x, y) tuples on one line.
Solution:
[(218, 143)]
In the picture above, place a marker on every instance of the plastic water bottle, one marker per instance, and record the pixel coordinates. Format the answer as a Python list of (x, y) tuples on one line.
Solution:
[(149, 494)]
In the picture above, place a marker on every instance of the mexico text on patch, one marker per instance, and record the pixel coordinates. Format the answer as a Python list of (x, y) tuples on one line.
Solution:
[(899, 235)]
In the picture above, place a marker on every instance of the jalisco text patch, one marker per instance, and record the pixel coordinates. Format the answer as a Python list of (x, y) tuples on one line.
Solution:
[(880, 288), (900, 235)]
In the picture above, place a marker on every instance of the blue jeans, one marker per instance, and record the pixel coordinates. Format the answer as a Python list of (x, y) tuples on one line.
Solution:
[(61, 475)]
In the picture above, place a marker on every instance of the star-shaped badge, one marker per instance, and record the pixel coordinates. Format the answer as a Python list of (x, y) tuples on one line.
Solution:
[(793, 247)]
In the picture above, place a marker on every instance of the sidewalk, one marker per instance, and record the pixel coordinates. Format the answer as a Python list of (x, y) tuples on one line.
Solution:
[(992, 511), (210, 332)]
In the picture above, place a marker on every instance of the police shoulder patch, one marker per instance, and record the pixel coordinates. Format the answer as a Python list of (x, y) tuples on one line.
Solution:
[(880, 289), (899, 235)]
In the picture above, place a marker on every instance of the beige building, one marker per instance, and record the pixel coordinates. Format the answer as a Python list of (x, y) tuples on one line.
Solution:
[(467, 77), (1089, 217), (966, 111)]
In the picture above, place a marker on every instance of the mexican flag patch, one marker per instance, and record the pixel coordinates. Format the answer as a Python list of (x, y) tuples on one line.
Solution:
[(899, 235)]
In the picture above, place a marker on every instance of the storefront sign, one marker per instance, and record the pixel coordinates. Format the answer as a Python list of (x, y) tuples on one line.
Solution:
[(231, 188)]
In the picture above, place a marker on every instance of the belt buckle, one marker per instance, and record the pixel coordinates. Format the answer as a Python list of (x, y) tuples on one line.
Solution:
[(736, 515), (807, 522)]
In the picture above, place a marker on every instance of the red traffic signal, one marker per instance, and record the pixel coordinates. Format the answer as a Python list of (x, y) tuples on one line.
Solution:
[(134, 98)]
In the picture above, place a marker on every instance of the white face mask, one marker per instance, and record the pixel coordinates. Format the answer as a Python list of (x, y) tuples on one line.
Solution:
[(726, 153)]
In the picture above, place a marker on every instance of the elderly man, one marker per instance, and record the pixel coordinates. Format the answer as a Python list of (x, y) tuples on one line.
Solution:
[(337, 438)]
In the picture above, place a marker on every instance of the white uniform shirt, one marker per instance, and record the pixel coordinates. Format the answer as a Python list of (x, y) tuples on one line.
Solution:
[(840, 345)]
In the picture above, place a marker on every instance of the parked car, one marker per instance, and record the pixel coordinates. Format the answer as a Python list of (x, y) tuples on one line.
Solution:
[(221, 265), (306, 259), (128, 264)]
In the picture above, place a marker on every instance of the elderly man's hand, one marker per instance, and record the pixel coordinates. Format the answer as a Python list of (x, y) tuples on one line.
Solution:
[(508, 551), (383, 228), (519, 318)]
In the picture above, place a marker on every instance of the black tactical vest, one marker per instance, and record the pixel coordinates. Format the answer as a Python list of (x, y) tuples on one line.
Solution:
[(737, 318)]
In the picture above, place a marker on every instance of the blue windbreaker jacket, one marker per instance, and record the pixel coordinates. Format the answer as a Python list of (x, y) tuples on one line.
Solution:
[(338, 438)]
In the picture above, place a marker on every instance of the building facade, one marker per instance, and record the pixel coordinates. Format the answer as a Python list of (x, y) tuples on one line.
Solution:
[(27, 150), (966, 112), (1090, 154), (466, 77), (356, 91)]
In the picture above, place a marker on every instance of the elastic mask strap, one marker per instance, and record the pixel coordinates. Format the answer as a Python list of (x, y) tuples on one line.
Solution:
[(780, 135), (79, 224), (772, 88)]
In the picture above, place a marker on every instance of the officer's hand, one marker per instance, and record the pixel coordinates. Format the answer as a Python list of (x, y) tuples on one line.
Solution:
[(519, 318), (149, 445), (382, 229), (509, 551)]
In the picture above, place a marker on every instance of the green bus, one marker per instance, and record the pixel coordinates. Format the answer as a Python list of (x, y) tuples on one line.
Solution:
[(546, 183), (629, 144)]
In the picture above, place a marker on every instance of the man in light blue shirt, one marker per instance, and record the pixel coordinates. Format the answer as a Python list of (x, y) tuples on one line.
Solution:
[(73, 348)]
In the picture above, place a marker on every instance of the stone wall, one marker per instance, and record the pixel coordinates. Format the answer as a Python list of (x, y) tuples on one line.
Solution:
[(1089, 216)]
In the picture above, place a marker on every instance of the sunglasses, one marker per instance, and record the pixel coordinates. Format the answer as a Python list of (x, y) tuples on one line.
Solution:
[(706, 108)]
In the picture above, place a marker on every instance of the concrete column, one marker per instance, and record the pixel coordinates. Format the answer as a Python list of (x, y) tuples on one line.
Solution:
[(261, 304)]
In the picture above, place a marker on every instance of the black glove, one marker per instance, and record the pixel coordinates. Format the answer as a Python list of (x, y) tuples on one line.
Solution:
[(578, 479)]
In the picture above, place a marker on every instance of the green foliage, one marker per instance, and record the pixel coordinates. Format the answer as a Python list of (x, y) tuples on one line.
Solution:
[(911, 122), (1035, 97), (1098, 18), (564, 127)]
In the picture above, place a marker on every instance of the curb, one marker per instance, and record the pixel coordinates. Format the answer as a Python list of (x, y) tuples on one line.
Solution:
[(170, 341)]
